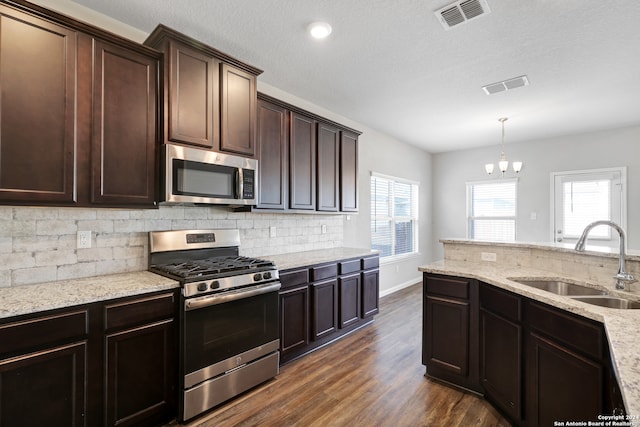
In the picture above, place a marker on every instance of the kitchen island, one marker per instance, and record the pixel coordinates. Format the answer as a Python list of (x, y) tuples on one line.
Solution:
[(527, 261)]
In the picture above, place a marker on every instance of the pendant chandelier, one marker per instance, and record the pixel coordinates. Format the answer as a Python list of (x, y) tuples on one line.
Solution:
[(503, 163)]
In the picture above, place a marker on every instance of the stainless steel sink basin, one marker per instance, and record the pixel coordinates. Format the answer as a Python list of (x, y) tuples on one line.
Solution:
[(560, 287), (609, 302)]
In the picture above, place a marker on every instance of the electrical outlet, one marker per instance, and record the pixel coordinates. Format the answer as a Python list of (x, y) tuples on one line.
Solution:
[(488, 256), (323, 229), (83, 239), (272, 231)]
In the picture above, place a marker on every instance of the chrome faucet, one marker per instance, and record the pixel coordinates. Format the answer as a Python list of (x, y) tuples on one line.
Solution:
[(622, 278)]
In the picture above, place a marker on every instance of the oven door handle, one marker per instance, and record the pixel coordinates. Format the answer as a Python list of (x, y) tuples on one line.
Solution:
[(209, 300)]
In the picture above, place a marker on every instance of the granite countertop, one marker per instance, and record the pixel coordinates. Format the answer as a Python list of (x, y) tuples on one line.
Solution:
[(621, 326), (319, 256), (27, 299)]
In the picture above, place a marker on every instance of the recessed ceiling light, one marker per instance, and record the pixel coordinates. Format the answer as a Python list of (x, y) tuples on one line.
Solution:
[(319, 30)]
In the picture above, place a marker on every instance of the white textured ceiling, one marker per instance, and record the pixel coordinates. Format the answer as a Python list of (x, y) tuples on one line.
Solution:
[(391, 66)]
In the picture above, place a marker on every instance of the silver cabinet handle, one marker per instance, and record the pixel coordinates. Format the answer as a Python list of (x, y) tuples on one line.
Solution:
[(208, 300)]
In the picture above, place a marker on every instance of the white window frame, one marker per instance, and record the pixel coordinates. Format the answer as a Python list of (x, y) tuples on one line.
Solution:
[(393, 218), (622, 170), (470, 218)]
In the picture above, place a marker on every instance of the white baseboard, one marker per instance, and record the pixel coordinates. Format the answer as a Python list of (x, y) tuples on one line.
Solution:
[(400, 286)]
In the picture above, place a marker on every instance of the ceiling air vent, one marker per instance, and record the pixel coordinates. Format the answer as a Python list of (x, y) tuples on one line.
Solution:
[(462, 11), (509, 84)]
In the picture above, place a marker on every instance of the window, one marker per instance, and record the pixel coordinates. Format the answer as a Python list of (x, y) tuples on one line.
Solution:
[(491, 210), (581, 197), (394, 215)]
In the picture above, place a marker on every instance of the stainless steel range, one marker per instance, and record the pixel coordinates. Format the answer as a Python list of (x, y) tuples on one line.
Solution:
[(229, 322)]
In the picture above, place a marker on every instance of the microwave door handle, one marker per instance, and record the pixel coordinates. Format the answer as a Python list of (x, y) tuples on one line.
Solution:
[(239, 183)]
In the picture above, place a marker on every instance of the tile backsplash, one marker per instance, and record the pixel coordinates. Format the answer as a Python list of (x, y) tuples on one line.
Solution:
[(39, 244)]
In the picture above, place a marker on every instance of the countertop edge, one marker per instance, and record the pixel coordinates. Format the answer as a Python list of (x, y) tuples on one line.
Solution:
[(41, 297)]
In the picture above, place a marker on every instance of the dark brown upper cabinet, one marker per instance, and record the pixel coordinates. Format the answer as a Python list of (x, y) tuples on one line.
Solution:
[(210, 97), (306, 162), (78, 113), (327, 167), (124, 136), (273, 141), (302, 162), (348, 171), (38, 110)]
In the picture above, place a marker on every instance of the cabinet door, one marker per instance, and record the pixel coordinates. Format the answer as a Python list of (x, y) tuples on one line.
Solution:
[(349, 287), (238, 94), (500, 362), (324, 308), (193, 97), (140, 382), (38, 111), (327, 167), (302, 162), (561, 385), (123, 148), (46, 388), (446, 340), (294, 319), (348, 172), (272, 156), (370, 292)]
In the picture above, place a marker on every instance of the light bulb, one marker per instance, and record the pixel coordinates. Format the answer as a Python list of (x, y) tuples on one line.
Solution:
[(319, 30), (489, 168), (517, 166)]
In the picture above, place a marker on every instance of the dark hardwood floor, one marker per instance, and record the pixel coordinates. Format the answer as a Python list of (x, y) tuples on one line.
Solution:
[(373, 377)]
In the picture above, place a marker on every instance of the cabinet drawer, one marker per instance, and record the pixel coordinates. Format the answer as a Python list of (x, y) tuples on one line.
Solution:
[(346, 267), (294, 278), (500, 302), (578, 333), (447, 286), (371, 262), (41, 331), (139, 311), (324, 272)]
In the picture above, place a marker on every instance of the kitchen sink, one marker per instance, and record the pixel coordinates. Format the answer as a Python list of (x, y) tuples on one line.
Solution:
[(609, 302), (560, 287)]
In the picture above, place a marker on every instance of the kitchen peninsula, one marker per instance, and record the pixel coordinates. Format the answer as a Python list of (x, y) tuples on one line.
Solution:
[(501, 266)]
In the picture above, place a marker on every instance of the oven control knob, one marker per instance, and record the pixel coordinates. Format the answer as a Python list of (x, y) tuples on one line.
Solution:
[(257, 277), (215, 285), (267, 275), (202, 286)]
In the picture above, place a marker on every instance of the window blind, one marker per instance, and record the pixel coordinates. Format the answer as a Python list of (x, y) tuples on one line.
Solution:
[(394, 215), (492, 210)]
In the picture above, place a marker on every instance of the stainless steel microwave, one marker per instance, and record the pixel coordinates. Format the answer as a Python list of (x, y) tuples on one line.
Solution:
[(201, 176)]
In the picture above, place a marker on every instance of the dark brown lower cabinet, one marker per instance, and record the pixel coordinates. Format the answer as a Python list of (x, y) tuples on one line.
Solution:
[(447, 347), (294, 320), (561, 384), (45, 388), (324, 302), (324, 308), (370, 292), (107, 363), (450, 340), (501, 343), (140, 360), (140, 380), (538, 364), (500, 363), (349, 287)]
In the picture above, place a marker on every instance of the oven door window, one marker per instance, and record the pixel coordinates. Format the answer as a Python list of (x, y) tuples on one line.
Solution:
[(218, 332), (203, 180)]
